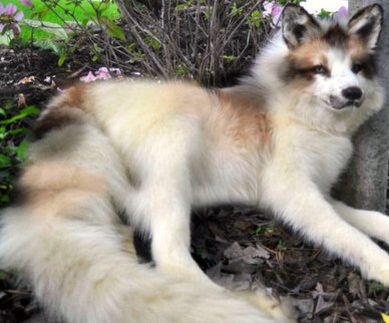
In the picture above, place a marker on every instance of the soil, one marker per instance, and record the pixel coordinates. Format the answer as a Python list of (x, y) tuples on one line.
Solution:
[(237, 246)]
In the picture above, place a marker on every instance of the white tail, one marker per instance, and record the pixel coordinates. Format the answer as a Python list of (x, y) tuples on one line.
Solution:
[(64, 238)]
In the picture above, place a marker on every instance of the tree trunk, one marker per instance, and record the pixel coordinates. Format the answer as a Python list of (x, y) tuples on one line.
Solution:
[(366, 179)]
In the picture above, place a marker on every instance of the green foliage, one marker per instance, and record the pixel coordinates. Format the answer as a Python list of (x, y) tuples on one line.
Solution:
[(235, 10), (52, 24), (136, 53), (375, 287), (181, 70), (13, 144), (153, 42), (229, 57), (264, 229), (324, 13), (255, 18)]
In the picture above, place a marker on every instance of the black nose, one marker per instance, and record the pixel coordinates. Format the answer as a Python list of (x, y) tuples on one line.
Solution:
[(352, 93)]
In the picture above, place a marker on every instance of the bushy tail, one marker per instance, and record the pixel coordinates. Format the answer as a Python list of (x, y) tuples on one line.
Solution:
[(86, 272)]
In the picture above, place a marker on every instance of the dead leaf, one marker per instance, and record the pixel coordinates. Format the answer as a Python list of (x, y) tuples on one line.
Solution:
[(234, 251), (21, 100), (26, 80)]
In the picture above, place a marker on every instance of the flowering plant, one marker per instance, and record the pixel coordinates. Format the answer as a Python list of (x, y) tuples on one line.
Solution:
[(102, 73), (272, 9), (10, 18)]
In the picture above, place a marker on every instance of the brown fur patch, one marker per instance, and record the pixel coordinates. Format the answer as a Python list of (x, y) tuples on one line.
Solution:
[(75, 96), (241, 120), (56, 186), (361, 55), (54, 119), (66, 109), (300, 70), (356, 47), (302, 61)]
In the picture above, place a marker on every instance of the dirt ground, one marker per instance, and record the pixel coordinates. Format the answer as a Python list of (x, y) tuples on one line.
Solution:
[(237, 246)]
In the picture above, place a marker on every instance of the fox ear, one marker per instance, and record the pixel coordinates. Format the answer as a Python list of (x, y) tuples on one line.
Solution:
[(297, 25), (367, 24)]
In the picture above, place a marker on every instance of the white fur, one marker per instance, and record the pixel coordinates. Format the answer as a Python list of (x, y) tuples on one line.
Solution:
[(182, 148), (81, 262), (168, 137), (179, 166)]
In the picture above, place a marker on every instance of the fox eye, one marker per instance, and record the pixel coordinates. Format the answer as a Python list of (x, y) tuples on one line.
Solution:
[(356, 68), (319, 69)]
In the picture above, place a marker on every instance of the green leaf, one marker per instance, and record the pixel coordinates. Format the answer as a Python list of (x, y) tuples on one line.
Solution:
[(18, 131), (150, 40), (255, 18), (56, 30), (28, 111), (181, 70), (5, 161), (5, 38), (21, 150), (229, 57), (235, 11), (376, 287), (114, 30), (324, 13), (3, 132), (182, 6), (49, 44), (62, 57)]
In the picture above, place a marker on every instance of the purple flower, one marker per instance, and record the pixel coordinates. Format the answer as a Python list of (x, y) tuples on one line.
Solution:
[(272, 9), (342, 12), (10, 9), (276, 12), (268, 6), (89, 78), (103, 73), (19, 16), (12, 16), (26, 2)]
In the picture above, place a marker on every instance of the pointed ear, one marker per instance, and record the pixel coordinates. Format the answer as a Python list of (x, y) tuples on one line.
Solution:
[(367, 24), (297, 25)]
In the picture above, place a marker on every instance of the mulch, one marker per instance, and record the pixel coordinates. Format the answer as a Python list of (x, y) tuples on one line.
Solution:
[(238, 247)]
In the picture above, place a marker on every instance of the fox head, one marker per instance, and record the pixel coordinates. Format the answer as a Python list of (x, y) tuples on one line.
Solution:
[(335, 62), (327, 67)]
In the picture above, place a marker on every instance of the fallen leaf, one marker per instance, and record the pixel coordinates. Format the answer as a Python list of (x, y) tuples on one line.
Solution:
[(25, 80), (21, 100)]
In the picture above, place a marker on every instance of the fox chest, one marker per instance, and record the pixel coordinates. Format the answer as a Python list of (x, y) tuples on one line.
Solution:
[(321, 157)]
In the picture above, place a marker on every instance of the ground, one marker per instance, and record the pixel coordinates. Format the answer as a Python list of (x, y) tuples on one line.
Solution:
[(237, 246)]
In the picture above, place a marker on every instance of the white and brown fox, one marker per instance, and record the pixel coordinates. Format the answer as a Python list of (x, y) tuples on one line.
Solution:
[(279, 140)]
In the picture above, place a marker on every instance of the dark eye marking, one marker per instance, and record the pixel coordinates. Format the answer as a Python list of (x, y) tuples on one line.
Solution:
[(320, 69), (297, 69), (365, 65), (357, 67)]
